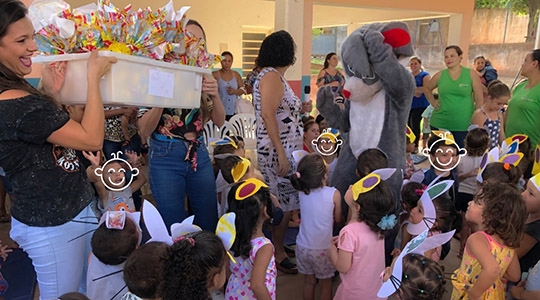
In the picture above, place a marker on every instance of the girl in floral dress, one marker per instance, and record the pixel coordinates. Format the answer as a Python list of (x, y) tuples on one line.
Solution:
[(253, 273), (499, 213)]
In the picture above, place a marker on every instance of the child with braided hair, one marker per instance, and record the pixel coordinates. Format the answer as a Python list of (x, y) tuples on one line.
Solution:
[(423, 279), (195, 266)]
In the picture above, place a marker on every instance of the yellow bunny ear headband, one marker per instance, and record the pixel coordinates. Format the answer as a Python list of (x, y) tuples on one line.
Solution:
[(447, 136), (248, 188), (225, 141), (240, 169), (370, 181), (410, 134)]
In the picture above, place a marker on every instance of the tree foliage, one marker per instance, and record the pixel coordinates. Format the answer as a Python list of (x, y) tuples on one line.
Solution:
[(530, 8)]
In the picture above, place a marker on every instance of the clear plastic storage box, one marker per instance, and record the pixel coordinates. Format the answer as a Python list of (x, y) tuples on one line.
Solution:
[(132, 81)]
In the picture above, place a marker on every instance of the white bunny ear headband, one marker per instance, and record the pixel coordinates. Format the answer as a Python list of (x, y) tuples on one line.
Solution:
[(225, 230), (507, 154), (434, 190), (418, 245), (299, 154), (415, 177), (114, 220)]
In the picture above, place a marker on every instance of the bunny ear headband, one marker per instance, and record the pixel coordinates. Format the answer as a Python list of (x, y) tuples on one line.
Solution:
[(225, 230), (114, 220), (410, 134), (507, 154), (240, 169), (370, 181), (225, 141), (433, 191), (418, 245), (536, 165), (417, 176), (299, 154)]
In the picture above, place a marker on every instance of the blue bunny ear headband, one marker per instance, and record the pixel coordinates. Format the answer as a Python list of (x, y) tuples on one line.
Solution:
[(225, 230), (418, 245), (434, 190)]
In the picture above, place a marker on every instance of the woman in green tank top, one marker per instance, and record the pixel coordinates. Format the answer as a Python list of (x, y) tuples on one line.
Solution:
[(523, 114), (456, 86)]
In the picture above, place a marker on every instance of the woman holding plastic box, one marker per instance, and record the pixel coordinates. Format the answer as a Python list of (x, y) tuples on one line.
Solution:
[(178, 158), (279, 130), (36, 136)]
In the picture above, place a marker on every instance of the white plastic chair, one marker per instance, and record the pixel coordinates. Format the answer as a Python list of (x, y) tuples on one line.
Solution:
[(212, 132), (245, 126)]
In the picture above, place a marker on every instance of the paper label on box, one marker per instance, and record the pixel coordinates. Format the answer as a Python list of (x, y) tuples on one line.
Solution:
[(160, 83)]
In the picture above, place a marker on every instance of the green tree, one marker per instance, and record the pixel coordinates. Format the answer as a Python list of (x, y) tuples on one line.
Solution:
[(530, 8)]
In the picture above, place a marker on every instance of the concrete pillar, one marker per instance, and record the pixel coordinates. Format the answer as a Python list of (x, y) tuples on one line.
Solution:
[(459, 33), (295, 16)]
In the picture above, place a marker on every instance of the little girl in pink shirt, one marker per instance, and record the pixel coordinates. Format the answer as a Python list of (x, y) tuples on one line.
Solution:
[(358, 252)]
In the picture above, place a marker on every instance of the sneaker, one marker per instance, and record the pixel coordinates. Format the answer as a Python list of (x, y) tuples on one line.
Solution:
[(417, 159)]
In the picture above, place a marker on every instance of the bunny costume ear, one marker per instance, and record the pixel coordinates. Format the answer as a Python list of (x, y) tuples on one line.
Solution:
[(418, 245), (430, 214)]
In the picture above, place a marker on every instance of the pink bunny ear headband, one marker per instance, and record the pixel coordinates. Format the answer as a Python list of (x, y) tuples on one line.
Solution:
[(418, 245), (225, 230)]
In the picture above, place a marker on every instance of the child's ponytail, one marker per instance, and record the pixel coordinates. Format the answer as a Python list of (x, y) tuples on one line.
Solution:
[(501, 172), (309, 173)]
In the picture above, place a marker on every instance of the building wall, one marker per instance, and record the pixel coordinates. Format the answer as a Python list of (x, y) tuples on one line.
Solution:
[(488, 26)]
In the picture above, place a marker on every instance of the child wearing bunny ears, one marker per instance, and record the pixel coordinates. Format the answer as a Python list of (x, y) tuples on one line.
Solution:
[(435, 213), (358, 253), (253, 273), (196, 265), (413, 276), (115, 239), (498, 213), (477, 143)]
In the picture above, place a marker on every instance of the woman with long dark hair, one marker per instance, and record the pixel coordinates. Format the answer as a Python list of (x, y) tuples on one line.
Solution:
[(36, 139)]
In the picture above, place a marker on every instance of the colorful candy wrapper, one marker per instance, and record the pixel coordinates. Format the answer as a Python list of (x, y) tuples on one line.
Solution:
[(55, 30)]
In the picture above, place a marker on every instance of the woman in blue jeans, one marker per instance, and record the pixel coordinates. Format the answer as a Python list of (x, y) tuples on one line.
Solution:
[(37, 139), (178, 158)]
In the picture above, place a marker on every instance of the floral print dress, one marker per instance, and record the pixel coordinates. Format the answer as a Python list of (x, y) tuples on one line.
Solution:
[(464, 277), (290, 132), (239, 286)]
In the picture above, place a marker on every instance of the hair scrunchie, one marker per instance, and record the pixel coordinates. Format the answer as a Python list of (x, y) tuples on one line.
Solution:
[(387, 222)]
